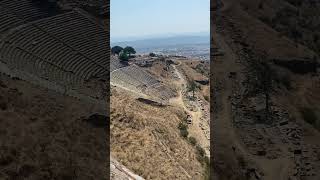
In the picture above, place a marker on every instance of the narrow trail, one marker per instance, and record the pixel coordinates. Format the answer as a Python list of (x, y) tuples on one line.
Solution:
[(224, 127), (194, 129), (225, 115)]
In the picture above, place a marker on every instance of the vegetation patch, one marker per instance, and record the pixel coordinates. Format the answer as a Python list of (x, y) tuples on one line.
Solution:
[(206, 98), (192, 140), (183, 129), (201, 154), (310, 116), (202, 69)]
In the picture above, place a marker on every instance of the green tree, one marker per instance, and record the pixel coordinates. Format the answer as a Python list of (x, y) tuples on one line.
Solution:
[(263, 83), (116, 50), (124, 56), (129, 50), (192, 86)]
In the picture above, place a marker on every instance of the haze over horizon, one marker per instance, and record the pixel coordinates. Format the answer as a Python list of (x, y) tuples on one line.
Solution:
[(144, 19), (158, 36)]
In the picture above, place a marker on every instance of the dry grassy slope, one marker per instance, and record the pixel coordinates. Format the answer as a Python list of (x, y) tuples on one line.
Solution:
[(43, 135), (244, 16), (306, 88), (159, 71), (191, 72), (147, 141), (286, 16), (262, 36), (241, 27)]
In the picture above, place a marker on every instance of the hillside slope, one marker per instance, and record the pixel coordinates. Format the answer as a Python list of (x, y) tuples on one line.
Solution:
[(152, 138), (266, 109), (47, 135)]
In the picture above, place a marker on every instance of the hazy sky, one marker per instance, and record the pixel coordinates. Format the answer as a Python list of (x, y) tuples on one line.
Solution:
[(143, 18)]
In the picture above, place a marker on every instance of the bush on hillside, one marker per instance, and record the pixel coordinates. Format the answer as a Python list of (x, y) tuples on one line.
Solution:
[(201, 156), (309, 115), (200, 151), (183, 129), (193, 140), (124, 56)]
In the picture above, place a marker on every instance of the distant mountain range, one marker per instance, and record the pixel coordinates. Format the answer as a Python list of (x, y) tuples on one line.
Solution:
[(117, 39), (168, 43)]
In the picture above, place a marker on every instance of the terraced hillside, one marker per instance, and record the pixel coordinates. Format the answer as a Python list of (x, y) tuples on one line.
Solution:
[(14, 13), (54, 66), (136, 79), (60, 50)]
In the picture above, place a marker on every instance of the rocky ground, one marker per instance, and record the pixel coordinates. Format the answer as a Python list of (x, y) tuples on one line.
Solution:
[(258, 129)]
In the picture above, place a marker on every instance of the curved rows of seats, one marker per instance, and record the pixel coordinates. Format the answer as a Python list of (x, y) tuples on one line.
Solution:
[(139, 74), (8, 20), (161, 91), (120, 75), (27, 10), (122, 79), (32, 48), (115, 64), (134, 78), (21, 59), (82, 34)]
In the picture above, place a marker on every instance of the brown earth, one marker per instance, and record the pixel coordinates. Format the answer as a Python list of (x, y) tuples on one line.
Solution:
[(247, 144), (46, 135), (146, 139)]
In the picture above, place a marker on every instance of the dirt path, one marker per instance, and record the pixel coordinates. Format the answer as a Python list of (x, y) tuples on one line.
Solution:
[(225, 132), (229, 65), (194, 129)]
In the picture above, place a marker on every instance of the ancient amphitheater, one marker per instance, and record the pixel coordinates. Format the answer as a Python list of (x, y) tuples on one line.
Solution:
[(61, 50), (133, 78)]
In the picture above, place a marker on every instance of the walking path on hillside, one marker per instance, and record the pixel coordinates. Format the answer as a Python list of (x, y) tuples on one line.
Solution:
[(195, 128), (224, 131)]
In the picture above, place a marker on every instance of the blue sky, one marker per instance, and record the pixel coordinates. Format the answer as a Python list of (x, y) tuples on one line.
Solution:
[(153, 18)]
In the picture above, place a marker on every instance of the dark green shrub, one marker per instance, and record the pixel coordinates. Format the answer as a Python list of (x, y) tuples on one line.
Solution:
[(184, 133), (129, 50), (200, 151), (183, 129), (193, 140), (116, 50), (201, 156), (182, 126), (309, 115), (124, 56)]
